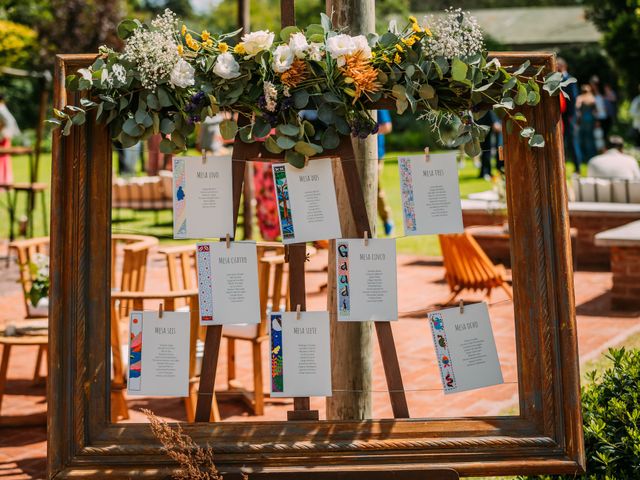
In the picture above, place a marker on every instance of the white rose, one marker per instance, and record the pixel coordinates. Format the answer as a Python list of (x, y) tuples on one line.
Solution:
[(298, 44), (226, 66), (282, 58), (362, 45), (182, 75), (315, 51), (339, 46), (255, 42)]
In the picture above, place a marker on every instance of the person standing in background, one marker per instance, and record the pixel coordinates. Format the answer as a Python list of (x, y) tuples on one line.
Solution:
[(611, 103), (491, 120), (614, 163), (586, 111), (569, 117), (601, 108), (384, 210), (8, 130)]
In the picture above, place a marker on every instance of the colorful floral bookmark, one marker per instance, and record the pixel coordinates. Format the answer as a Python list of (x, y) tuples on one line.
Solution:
[(179, 199), (408, 202), (205, 289), (277, 373), (344, 303), (284, 206), (135, 351), (442, 351)]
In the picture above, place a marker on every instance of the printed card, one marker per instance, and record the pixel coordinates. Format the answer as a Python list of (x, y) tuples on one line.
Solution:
[(430, 194), (465, 348), (159, 354), (202, 197), (228, 283), (307, 205), (300, 355), (366, 280)]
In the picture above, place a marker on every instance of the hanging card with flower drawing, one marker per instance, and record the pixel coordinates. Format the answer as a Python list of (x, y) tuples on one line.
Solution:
[(159, 354), (430, 194), (465, 348), (202, 197), (300, 354), (307, 205)]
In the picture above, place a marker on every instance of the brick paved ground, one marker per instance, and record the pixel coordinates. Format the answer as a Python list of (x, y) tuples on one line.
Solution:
[(23, 451)]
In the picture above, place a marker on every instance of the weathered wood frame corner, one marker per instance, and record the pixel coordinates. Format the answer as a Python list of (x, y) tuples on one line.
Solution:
[(546, 437)]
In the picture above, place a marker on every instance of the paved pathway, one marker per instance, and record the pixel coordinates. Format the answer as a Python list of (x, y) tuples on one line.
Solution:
[(23, 451)]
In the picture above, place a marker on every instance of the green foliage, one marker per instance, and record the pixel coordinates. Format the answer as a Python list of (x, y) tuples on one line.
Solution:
[(619, 22), (17, 44), (611, 416)]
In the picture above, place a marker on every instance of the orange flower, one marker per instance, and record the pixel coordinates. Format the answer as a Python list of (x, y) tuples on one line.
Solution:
[(296, 74), (365, 77)]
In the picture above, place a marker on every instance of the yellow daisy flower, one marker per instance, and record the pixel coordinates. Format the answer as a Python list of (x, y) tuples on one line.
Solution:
[(180, 50), (239, 49), (208, 43), (399, 48), (413, 19), (205, 35), (428, 32), (397, 58), (223, 47), (416, 28), (183, 30)]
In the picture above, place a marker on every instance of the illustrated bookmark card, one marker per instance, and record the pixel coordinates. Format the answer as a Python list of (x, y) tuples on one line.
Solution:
[(300, 354), (228, 283), (367, 280), (430, 194), (159, 354), (202, 197), (465, 348), (307, 205)]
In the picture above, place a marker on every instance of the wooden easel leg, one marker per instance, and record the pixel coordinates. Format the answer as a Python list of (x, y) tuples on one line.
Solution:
[(231, 361), (208, 372), (297, 254)]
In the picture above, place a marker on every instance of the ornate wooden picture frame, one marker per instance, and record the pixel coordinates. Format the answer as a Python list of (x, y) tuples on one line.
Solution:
[(546, 436)]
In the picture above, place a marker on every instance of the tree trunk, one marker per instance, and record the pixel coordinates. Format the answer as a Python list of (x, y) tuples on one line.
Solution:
[(351, 342)]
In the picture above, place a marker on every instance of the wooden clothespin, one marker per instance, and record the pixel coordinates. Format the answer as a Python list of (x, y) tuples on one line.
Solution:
[(228, 240), (160, 311), (366, 238), (427, 157), (461, 307), (298, 312), (500, 157)]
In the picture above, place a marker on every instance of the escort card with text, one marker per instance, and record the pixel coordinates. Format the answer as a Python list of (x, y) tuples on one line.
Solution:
[(366, 280), (228, 283), (465, 348), (202, 197), (159, 354), (430, 194), (307, 205), (300, 355)]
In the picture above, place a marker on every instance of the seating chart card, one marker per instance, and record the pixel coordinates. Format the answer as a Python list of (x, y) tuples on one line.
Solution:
[(300, 355), (228, 283), (159, 354), (307, 205), (367, 280), (430, 194), (465, 348), (202, 197)]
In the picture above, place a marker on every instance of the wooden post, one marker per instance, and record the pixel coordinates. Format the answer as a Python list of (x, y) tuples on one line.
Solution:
[(244, 19), (351, 341)]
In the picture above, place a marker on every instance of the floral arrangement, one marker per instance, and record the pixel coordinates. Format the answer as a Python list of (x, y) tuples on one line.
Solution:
[(39, 269), (301, 92)]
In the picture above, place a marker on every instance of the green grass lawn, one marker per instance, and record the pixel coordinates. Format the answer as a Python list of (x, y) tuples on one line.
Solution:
[(127, 221)]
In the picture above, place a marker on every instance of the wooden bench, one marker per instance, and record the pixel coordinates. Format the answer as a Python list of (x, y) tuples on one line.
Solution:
[(624, 243)]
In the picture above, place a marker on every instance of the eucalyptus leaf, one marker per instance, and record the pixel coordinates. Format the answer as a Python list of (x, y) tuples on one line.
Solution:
[(521, 96), (261, 128), (326, 23), (527, 132), (284, 142), (427, 91), (326, 114), (271, 145), (300, 99), (522, 68), (127, 27), (167, 126), (286, 33), (228, 129), (536, 141), (459, 70), (294, 158), (330, 138), (305, 149), (131, 128), (164, 98), (153, 102), (473, 148), (289, 129), (166, 146)]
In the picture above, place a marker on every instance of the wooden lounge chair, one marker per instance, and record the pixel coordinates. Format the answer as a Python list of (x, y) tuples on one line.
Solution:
[(467, 267)]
